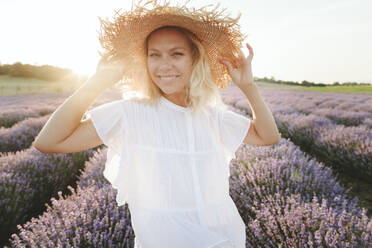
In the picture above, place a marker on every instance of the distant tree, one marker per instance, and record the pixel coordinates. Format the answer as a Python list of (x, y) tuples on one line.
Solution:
[(45, 72)]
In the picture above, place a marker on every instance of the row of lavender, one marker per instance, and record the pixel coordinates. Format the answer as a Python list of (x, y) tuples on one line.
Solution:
[(16, 140), (349, 109), (21, 135), (285, 198), (342, 108), (346, 148), (28, 178), (15, 109), (21, 121)]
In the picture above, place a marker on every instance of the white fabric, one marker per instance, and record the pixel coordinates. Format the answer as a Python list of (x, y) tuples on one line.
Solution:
[(172, 168)]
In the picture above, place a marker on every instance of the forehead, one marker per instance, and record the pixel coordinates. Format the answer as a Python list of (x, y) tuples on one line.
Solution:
[(167, 37)]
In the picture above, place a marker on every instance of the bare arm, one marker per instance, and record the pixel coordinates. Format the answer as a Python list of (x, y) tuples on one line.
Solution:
[(263, 130), (67, 117), (64, 132)]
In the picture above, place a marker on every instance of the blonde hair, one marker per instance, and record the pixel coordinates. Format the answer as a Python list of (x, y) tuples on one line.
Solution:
[(202, 90)]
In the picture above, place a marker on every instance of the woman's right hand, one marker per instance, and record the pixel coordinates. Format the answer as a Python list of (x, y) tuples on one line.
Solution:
[(109, 72)]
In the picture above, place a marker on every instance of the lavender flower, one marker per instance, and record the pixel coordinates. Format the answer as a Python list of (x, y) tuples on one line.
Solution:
[(28, 179), (89, 217)]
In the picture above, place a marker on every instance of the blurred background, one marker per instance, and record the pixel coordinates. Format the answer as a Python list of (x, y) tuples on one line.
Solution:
[(320, 42), (312, 64)]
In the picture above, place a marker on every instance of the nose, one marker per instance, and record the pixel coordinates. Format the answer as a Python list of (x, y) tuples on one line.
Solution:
[(165, 63)]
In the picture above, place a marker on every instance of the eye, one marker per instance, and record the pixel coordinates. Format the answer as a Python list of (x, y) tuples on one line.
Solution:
[(153, 54), (178, 53)]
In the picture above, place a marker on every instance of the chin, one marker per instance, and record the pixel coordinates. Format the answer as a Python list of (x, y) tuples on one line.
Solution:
[(168, 92)]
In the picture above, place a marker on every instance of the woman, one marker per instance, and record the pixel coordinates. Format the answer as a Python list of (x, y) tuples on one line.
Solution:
[(169, 147)]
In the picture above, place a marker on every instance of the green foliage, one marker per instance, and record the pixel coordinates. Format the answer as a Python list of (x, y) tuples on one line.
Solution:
[(309, 84), (44, 72)]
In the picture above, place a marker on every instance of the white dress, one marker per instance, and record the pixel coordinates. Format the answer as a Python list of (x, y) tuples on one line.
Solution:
[(172, 168)]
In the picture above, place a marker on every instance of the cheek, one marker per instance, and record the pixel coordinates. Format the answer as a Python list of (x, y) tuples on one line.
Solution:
[(150, 68), (186, 66)]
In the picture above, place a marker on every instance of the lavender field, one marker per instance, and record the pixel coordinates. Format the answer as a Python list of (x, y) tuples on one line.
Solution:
[(313, 189)]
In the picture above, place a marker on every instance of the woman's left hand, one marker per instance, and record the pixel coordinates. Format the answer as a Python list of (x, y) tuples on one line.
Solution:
[(241, 76)]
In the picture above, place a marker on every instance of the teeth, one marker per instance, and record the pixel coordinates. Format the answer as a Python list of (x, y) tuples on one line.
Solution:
[(168, 77)]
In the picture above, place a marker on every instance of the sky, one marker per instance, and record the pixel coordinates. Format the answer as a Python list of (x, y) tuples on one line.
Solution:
[(321, 41)]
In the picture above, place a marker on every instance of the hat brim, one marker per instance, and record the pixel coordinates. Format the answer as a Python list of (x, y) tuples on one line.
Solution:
[(124, 38)]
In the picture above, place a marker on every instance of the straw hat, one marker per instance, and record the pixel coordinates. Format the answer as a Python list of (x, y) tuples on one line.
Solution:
[(124, 37)]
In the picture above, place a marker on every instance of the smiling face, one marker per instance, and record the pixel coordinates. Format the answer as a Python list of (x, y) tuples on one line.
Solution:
[(169, 62)]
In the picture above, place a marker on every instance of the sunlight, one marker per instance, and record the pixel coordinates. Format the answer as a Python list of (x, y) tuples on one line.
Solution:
[(84, 69), (65, 34)]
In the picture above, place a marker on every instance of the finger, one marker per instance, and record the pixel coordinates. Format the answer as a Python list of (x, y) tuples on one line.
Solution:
[(227, 64), (250, 50), (241, 58)]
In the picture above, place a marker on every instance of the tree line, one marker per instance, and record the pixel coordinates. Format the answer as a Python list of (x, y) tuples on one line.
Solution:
[(54, 73), (44, 72), (309, 84)]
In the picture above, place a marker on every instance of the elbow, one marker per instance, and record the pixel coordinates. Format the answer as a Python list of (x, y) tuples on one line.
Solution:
[(41, 148), (274, 141)]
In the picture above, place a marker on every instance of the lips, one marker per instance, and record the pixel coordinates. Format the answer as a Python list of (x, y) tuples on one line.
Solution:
[(169, 76)]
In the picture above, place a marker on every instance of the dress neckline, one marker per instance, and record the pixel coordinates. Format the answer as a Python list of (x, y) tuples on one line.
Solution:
[(173, 105)]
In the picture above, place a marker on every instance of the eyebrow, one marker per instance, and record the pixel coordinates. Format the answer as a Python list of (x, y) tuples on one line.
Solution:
[(174, 48)]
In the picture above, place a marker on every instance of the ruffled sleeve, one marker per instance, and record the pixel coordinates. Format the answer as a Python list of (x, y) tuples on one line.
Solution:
[(233, 128), (109, 120)]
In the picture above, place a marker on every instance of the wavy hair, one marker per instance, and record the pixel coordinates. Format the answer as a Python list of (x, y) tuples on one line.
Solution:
[(202, 90)]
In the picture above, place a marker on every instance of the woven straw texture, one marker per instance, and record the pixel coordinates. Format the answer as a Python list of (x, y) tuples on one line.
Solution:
[(123, 37)]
